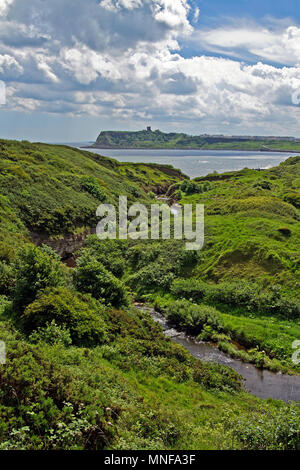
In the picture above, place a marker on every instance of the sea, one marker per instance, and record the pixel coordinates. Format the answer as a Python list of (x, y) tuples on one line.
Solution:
[(195, 163)]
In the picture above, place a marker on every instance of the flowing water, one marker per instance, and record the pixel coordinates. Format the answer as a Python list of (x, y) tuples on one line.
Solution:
[(261, 383)]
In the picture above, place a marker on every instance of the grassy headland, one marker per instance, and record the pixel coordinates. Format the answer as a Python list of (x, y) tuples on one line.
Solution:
[(149, 139)]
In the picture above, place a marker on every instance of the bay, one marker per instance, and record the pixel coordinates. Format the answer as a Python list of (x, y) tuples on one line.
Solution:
[(199, 162)]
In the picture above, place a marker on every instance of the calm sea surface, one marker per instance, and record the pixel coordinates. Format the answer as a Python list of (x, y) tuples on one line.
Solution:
[(199, 162)]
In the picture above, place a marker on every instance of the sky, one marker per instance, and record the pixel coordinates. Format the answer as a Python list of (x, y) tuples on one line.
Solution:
[(72, 68)]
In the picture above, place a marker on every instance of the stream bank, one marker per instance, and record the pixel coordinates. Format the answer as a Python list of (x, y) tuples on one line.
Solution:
[(259, 382)]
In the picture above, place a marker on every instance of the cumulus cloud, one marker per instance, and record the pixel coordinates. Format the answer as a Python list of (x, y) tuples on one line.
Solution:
[(122, 59), (281, 46), (4, 4)]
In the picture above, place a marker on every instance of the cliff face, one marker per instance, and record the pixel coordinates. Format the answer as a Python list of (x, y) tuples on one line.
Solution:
[(65, 245)]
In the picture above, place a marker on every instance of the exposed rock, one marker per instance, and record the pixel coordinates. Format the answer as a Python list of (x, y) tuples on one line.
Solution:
[(66, 245)]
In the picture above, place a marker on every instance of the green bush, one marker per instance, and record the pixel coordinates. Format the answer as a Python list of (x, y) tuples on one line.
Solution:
[(93, 278), (81, 315), (238, 294), (279, 430), (150, 278), (293, 198), (38, 268), (193, 318), (193, 187), (190, 289), (45, 406), (7, 278), (51, 334), (91, 185), (111, 253)]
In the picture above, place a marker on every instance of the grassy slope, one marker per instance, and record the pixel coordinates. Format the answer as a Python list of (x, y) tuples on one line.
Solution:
[(160, 140), (243, 223), (138, 391), (42, 189), (245, 214)]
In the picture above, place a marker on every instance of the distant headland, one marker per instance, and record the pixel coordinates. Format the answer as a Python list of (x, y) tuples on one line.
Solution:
[(149, 139)]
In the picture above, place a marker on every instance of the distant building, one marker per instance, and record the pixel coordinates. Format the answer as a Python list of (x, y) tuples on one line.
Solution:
[(149, 129)]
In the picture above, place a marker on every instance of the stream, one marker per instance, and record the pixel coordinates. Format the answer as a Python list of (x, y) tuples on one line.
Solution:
[(261, 383)]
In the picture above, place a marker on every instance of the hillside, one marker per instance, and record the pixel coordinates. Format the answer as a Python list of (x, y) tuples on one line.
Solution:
[(85, 369), (148, 139), (55, 190)]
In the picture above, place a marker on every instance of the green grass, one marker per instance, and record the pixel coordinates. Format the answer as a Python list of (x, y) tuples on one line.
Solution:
[(160, 140), (129, 387)]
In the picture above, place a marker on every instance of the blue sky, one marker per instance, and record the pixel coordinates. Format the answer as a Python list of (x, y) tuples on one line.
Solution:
[(252, 8), (75, 67)]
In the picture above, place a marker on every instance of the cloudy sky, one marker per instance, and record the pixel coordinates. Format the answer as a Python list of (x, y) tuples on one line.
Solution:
[(75, 67)]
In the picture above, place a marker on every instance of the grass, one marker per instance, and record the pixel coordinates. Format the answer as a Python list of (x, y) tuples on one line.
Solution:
[(160, 140), (133, 388)]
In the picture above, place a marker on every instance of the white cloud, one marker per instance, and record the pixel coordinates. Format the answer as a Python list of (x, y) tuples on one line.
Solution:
[(122, 59), (278, 46), (4, 4), (116, 5), (173, 13)]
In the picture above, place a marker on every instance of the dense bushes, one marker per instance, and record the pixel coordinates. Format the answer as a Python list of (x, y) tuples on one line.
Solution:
[(43, 405), (111, 253), (37, 269), (293, 198), (238, 294), (93, 278), (81, 315), (7, 278), (190, 289), (51, 334), (155, 265), (193, 318), (279, 430), (151, 277), (91, 185), (192, 187)]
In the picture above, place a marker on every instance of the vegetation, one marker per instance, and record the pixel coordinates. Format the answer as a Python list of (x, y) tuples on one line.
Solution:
[(85, 369), (160, 140)]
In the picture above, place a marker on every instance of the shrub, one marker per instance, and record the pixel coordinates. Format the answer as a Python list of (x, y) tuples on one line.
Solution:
[(108, 252), (51, 334), (45, 405), (191, 289), (81, 315), (93, 278), (293, 198), (7, 278), (191, 187), (238, 294), (151, 277), (263, 184), (277, 430), (192, 317), (37, 269), (91, 185)]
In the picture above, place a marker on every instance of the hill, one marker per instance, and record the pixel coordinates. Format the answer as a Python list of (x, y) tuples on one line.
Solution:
[(148, 139), (52, 191)]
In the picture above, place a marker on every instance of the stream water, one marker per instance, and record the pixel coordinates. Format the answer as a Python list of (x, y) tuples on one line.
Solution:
[(261, 383)]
